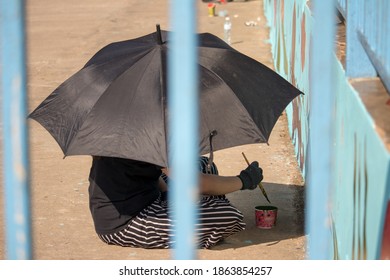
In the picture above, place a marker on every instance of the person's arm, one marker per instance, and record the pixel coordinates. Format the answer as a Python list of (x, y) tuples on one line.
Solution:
[(216, 185), (211, 184)]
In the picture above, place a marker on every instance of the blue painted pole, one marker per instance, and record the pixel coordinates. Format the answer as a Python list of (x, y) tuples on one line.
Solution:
[(16, 172), (183, 144), (320, 174)]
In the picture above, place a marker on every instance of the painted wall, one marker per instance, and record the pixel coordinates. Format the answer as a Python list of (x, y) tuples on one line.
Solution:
[(290, 41), (361, 189)]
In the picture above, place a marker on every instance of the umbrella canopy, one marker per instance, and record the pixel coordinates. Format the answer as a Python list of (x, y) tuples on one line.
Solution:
[(116, 105)]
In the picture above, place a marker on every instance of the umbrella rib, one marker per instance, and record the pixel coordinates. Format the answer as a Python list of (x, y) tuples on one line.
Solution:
[(163, 94)]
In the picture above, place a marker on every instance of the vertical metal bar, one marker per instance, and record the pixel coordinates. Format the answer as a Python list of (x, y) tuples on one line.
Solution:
[(16, 171), (183, 106), (321, 133)]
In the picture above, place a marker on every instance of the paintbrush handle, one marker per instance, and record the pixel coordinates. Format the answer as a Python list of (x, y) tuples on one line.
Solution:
[(247, 161), (260, 184)]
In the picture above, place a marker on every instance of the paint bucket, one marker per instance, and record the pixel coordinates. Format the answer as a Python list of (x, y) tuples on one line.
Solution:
[(211, 7), (266, 216)]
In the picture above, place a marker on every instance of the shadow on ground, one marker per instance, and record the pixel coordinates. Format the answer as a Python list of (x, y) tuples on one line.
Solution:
[(290, 221)]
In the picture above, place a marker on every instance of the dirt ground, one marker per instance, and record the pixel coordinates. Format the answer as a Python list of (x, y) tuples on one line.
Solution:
[(62, 36)]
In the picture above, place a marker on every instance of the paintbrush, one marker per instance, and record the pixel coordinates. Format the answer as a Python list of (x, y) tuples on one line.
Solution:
[(260, 184)]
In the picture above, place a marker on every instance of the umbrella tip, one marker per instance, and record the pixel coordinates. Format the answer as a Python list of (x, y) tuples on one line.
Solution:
[(159, 38)]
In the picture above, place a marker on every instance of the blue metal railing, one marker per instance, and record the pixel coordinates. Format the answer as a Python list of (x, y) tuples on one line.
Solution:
[(320, 177), (184, 128), (184, 122), (14, 91), (368, 30)]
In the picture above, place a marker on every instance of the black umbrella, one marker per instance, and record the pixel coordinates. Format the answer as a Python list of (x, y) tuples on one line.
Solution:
[(116, 105)]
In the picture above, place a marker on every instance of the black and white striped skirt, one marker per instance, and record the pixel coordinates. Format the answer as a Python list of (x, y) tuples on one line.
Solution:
[(151, 228)]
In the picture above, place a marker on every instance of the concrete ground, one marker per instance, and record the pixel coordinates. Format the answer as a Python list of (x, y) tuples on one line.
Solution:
[(62, 36)]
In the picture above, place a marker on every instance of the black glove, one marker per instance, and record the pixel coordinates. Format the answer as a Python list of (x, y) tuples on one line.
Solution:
[(251, 176)]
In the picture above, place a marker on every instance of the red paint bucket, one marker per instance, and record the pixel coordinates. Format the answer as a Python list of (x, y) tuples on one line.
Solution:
[(266, 216)]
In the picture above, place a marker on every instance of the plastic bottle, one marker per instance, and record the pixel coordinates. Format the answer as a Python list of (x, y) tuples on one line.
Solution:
[(227, 27)]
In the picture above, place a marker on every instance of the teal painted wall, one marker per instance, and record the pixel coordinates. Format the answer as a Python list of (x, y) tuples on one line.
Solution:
[(360, 192), (361, 188), (290, 45)]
